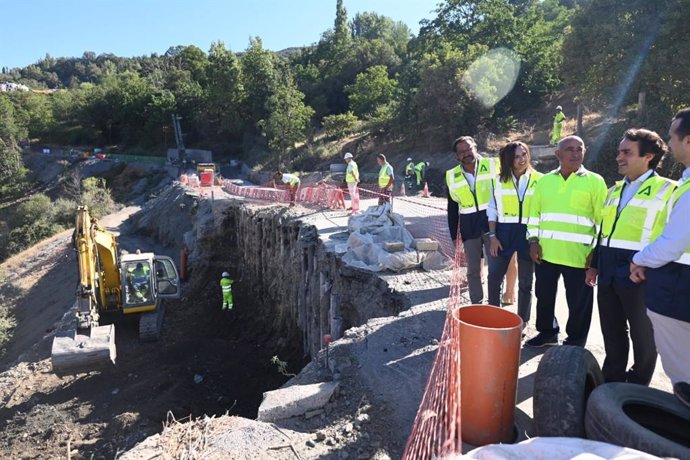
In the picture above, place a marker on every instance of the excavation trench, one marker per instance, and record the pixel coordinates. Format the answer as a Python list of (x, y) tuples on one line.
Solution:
[(289, 289)]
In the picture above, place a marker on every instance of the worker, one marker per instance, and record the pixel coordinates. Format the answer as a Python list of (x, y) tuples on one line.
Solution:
[(386, 179), (291, 181), (557, 125), (420, 172), (665, 265), (352, 179), (565, 211), (226, 287), (508, 212), (138, 281), (409, 174), (634, 206), (469, 188)]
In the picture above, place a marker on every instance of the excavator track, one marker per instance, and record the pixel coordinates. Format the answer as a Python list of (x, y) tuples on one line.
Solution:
[(151, 323)]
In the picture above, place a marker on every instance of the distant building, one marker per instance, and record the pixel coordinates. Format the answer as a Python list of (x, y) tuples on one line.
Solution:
[(9, 86)]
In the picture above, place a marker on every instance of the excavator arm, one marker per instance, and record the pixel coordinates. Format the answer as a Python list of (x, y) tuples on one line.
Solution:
[(99, 276), (89, 346)]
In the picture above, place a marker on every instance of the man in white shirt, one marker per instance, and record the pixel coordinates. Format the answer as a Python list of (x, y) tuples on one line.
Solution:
[(665, 265)]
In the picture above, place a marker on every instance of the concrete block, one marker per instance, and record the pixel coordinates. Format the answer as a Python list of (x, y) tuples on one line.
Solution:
[(393, 246), (425, 244), (295, 401)]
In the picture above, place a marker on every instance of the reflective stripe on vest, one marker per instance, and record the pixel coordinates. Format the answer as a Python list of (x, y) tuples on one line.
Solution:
[(384, 177), (509, 208), (351, 172), (471, 201), (644, 215)]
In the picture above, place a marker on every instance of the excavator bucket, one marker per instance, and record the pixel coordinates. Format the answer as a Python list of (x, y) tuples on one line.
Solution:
[(75, 353)]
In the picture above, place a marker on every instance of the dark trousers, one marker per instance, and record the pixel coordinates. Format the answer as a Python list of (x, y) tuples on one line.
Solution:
[(618, 307), (579, 296), (498, 266)]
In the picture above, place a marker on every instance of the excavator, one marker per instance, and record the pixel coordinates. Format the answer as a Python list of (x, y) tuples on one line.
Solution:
[(110, 283)]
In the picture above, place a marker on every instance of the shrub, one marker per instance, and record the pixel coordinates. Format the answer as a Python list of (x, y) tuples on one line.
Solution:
[(340, 125)]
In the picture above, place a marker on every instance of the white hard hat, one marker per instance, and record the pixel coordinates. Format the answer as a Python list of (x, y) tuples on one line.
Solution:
[(409, 159), (559, 108), (347, 155), (226, 275)]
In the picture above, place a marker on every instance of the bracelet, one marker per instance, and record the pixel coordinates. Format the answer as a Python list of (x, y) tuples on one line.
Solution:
[(490, 234)]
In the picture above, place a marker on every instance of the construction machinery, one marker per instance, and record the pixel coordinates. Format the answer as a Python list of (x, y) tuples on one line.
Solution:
[(110, 283)]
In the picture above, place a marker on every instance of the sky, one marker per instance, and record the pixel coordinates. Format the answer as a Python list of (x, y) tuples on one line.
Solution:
[(31, 29)]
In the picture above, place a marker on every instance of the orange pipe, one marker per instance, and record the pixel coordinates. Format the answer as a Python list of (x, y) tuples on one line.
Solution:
[(183, 263), (489, 360)]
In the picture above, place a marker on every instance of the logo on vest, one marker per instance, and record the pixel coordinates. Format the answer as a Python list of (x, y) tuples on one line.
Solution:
[(483, 168), (645, 191)]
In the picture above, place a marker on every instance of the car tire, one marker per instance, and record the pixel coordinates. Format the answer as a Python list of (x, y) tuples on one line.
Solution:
[(563, 382), (639, 417)]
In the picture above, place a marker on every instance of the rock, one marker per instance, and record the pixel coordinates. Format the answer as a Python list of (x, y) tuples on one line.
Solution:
[(198, 378), (313, 413), (348, 427), (363, 418), (363, 456), (294, 401), (320, 436), (330, 441), (311, 443)]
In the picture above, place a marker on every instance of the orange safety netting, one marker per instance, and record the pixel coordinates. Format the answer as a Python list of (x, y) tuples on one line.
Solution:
[(436, 430)]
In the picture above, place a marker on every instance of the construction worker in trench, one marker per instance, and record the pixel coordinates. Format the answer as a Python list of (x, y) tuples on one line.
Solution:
[(226, 287)]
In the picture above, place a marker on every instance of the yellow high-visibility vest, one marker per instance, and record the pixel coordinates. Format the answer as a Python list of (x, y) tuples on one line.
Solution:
[(564, 215), (509, 208), (470, 201), (642, 216), (384, 177)]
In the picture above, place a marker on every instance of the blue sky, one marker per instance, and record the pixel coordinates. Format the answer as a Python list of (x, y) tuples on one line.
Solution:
[(31, 28)]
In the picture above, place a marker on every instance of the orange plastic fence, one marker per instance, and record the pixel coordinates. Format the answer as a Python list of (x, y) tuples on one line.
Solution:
[(436, 431)]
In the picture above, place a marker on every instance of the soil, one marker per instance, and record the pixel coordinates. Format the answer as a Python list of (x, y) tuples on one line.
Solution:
[(206, 362)]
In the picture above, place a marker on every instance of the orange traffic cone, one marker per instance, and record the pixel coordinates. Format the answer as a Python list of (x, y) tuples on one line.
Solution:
[(402, 189), (425, 192)]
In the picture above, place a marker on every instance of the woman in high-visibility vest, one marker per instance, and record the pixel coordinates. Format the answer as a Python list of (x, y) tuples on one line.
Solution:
[(508, 213)]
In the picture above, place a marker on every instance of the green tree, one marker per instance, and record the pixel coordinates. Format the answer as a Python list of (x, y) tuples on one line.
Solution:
[(288, 120), (371, 90), (258, 80), (223, 95)]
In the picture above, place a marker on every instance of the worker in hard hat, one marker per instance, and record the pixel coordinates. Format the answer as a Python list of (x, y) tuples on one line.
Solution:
[(420, 172), (409, 173), (291, 181), (226, 287), (557, 125), (352, 179)]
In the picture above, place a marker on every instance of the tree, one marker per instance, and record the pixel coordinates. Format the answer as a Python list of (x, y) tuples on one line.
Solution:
[(288, 119), (224, 95), (258, 80), (371, 90)]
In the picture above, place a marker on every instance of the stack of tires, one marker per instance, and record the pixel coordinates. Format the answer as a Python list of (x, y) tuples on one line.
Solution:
[(571, 400)]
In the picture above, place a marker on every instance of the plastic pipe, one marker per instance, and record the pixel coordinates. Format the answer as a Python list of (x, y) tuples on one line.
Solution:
[(489, 342)]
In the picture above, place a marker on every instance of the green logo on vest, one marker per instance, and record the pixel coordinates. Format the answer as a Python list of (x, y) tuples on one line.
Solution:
[(483, 168), (646, 191)]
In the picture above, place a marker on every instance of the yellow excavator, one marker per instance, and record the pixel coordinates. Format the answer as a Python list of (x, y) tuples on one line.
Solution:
[(110, 283)]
